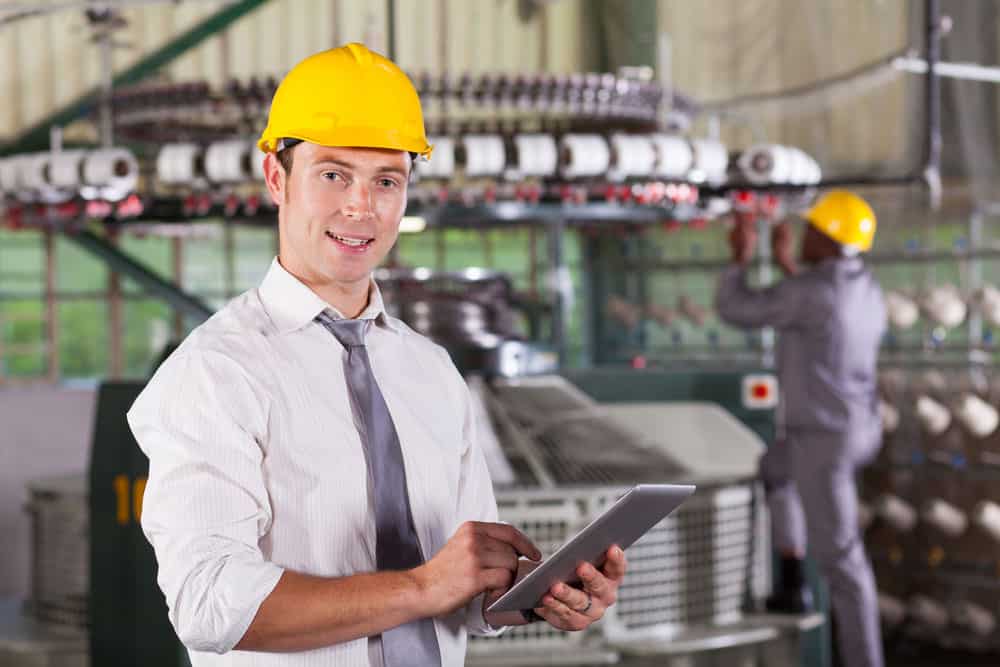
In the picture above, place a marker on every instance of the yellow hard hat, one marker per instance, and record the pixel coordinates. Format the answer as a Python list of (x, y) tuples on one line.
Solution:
[(844, 217), (348, 96)]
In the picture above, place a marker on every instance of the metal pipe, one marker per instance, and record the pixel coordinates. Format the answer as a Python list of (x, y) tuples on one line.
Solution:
[(932, 100)]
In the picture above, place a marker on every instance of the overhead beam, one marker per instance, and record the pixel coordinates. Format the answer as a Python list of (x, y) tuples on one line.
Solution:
[(36, 137)]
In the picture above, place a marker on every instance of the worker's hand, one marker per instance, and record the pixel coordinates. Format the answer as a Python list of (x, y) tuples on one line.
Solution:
[(478, 557), (781, 248), (742, 240), (570, 608)]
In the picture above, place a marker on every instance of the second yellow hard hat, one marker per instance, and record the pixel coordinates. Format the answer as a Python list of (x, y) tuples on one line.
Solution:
[(844, 217)]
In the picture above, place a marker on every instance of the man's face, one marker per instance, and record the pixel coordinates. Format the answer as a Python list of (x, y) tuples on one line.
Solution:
[(340, 211)]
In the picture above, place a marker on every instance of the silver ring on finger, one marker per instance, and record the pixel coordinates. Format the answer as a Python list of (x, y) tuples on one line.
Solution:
[(590, 602)]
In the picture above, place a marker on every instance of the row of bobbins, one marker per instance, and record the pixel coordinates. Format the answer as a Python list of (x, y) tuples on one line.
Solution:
[(52, 177), (575, 156)]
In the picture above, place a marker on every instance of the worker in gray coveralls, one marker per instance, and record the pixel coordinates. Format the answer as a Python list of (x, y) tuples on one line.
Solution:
[(830, 318)]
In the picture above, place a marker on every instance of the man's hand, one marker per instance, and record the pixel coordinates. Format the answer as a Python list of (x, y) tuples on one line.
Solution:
[(781, 248), (742, 240), (478, 557), (569, 608)]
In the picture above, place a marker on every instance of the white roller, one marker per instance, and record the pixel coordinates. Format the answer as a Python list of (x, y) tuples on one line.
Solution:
[(484, 154), (945, 306), (978, 416), (928, 612), (896, 512), (584, 155), (634, 156), (177, 164), (815, 173), (537, 155), (442, 161), (986, 515), (113, 171), (711, 159), (891, 610), (889, 415), (674, 156), (934, 417), (903, 311), (764, 164), (944, 516), (977, 620), (227, 161), (65, 169)]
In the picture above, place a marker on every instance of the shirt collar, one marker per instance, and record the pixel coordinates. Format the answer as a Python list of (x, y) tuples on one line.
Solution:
[(291, 304)]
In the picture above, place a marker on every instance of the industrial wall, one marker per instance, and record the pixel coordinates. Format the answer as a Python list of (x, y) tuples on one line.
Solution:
[(49, 62)]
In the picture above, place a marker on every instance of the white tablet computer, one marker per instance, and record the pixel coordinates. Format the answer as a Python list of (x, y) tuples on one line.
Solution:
[(644, 506)]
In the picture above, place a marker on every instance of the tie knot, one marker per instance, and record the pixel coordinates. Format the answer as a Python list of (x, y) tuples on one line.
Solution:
[(350, 333)]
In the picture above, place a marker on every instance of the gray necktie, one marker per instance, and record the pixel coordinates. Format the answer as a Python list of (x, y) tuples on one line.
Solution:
[(396, 545)]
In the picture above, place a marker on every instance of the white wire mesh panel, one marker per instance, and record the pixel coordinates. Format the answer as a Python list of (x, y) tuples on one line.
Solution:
[(60, 578)]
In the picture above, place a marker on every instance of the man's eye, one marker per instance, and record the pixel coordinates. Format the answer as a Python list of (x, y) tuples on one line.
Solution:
[(332, 176), (387, 183)]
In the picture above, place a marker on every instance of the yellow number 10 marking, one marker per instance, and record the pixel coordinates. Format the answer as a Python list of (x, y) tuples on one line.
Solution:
[(129, 504)]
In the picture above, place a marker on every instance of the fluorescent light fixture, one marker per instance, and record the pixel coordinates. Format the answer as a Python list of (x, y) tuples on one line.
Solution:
[(411, 224)]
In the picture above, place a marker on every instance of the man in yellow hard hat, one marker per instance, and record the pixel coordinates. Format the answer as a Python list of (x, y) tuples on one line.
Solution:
[(830, 319), (317, 493)]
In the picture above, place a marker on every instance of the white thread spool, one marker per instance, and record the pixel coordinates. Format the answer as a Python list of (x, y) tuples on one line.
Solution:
[(710, 161), (764, 164), (934, 381), (801, 168), (986, 515), (889, 416), (34, 179), (814, 174), (442, 161), (903, 311), (227, 161), (584, 155), (977, 620), (674, 156), (634, 155), (537, 155), (114, 172), (933, 416), (944, 305), (8, 176), (484, 154), (989, 304), (928, 612), (945, 517), (177, 164), (891, 610), (65, 169), (978, 416), (896, 512), (256, 161)]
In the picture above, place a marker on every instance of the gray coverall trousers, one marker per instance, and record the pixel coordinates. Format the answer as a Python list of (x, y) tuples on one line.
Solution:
[(812, 499)]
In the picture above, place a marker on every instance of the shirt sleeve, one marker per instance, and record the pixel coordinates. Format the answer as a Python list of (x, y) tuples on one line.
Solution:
[(476, 501), (200, 421), (740, 305)]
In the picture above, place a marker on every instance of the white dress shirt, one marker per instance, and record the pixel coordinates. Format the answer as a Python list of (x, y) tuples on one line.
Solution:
[(257, 465)]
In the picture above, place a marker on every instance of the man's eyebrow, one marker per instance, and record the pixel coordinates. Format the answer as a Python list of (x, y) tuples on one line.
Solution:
[(353, 167)]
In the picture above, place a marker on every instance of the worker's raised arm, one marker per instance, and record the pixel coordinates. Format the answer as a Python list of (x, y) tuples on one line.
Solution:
[(747, 307)]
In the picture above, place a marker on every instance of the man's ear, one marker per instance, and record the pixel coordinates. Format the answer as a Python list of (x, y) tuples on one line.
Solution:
[(275, 178)]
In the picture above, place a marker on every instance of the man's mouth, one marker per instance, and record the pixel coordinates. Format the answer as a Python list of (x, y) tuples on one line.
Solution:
[(353, 242)]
